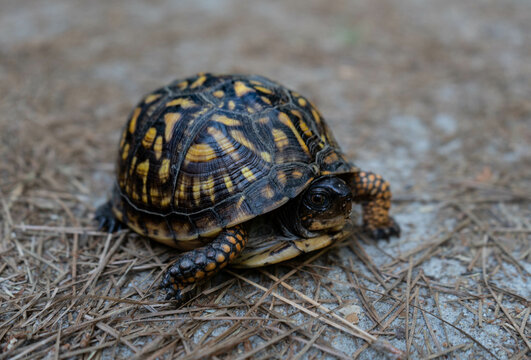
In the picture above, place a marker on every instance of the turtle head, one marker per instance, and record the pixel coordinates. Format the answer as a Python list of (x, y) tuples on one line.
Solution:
[(323, 207)]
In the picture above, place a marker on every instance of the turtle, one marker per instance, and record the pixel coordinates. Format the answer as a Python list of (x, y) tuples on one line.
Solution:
[(236, 169)]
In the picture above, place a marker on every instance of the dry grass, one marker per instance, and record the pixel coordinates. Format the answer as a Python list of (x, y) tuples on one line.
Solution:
[(67, 290)]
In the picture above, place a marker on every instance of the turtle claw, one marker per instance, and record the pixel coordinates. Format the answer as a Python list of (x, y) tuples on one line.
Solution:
[(385, 232), (171, 292), (106, 219)]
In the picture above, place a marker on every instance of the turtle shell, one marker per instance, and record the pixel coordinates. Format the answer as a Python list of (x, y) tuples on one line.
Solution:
[(213, 151)]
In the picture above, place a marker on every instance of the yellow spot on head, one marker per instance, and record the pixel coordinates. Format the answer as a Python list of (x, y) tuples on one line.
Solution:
[(164, 171), (241, 89), (151, 98), (242, 139), (200, 80), (248, 174), (134, 117), (200, 153), (147, 141), (170, 119), (226, 120), (301, 101)]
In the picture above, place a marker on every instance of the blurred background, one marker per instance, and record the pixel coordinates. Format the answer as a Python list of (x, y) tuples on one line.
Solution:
[(433, 95)]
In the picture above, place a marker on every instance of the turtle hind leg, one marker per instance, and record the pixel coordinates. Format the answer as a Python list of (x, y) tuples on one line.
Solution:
[(106, 218), (374, 194), (204, 262)]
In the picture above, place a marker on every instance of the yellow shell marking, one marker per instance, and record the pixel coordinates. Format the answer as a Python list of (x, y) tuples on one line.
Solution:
[(264, 120), (280, 138), (231, 105), (316, 116), (182, 85), (125, 152), (158, 147), (151, 98), (266, 100), (263, 89), (200, 80), (132, 167), (208, 188), (296, 174), (248, 173), (228, 183), (224, 143), (218, 93), (142, 170), (330, 159), (122, 140), (242, 139), (147, 141), (200, 153), (241, 89), (184, 102), (132, 123), (268, 192), (170, 119), (302, 102), (287, 121), (266, 156), (196, 190), (226, 120), (164, 171), (282, 178)]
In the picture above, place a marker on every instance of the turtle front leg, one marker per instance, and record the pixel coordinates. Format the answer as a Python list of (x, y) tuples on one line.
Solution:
[(205, 261), (106, 218), (374, 194)]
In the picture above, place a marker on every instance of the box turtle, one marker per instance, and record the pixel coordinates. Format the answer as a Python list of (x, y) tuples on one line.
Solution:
[(214, 163)]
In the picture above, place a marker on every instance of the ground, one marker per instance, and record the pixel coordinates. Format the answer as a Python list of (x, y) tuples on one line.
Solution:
[(434, 95)]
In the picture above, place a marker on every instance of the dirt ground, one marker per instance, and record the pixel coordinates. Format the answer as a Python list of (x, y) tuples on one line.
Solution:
[(433, 95)]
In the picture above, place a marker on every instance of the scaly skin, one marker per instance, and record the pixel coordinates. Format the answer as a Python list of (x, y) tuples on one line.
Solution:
[(205, 261), (374, 194)]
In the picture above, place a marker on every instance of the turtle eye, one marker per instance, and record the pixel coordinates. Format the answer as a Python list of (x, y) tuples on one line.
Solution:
[(318, 199)]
